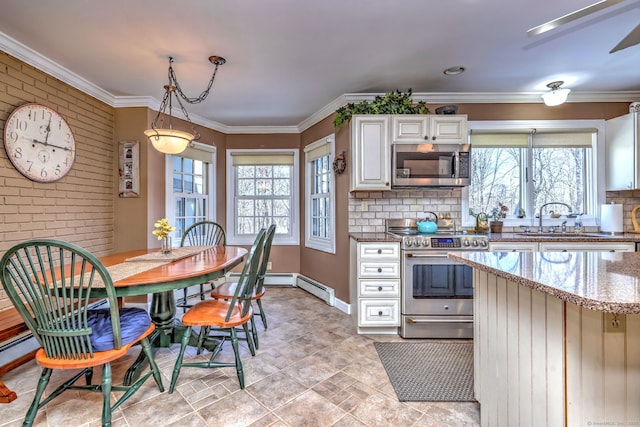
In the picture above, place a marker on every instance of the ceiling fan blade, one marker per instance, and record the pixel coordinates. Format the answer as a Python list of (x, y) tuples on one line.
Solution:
[(632, 39), (547, 26)]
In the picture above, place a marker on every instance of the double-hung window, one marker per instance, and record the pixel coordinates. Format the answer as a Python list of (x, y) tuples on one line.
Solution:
[(262, 190), (320, 196), (190, 187), (522, 168)]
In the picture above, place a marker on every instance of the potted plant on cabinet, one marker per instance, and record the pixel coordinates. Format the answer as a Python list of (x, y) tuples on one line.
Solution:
[(391, 103)]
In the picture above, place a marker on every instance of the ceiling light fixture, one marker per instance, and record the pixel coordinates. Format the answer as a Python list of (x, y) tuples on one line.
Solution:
[(454, 71), (166, 139), (556, 95)]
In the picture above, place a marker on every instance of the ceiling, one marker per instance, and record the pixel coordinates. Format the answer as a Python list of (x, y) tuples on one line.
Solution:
[(291, 60)]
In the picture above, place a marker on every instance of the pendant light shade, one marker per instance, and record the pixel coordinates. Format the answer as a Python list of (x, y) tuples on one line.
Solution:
[(169, 141), (165, 139), (556, 95)]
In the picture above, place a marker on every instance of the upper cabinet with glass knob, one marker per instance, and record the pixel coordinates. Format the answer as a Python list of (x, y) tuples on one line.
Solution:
[(623, 152)]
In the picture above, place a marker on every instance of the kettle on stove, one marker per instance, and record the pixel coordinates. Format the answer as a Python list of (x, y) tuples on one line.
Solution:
[(428, 226)]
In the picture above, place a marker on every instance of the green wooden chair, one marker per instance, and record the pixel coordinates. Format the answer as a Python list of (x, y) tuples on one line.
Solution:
[(222, 317), (53, 286), (227, 289), (203, 233)]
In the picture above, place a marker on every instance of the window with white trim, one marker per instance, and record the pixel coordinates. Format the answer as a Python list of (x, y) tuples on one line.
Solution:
[(262, 189), (524, 168), (190, 187), (320, 196)]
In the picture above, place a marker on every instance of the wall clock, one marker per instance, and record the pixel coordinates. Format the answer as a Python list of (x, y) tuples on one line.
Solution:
[(39, 143)]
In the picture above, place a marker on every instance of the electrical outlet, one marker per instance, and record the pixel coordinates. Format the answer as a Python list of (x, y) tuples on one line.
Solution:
[(364, 206), (269, 266), (615, 322)]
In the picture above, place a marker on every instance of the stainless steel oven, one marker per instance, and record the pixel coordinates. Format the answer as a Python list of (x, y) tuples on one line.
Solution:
[(437, 293)]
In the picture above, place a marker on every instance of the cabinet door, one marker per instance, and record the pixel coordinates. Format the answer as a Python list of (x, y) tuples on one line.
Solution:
[(410, 129), (622, 155), (587, 247), (449, 129), (513, 247), (371, 148)]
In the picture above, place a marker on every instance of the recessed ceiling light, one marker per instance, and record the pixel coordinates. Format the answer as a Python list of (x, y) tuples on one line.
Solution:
[(454, 71)]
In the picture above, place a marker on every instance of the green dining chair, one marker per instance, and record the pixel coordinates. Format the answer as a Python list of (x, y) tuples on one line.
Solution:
[(58, 289), (227, 289), (222, 317), (203, 233)]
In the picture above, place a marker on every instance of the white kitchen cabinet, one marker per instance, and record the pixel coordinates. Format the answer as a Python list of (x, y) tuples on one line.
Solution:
[(513, 246), (434, 128), (622, 152), (378, 287), (561, 246), (586, 246), (410, 129), (371, 153)]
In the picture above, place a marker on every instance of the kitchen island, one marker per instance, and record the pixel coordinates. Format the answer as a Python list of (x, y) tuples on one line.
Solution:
[(556, 337)]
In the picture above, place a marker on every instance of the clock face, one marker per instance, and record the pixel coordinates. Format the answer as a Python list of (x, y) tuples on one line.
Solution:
[(39, 143)]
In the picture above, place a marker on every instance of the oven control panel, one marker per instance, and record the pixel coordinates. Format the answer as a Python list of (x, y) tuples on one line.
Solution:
[(456, 243), (445, 242)]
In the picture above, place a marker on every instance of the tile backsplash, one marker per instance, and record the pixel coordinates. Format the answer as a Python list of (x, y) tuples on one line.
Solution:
[(369, 210)]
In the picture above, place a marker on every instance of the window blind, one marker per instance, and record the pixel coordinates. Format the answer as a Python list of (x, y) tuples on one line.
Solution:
[(197, 151), (257, 159), (318, 149)]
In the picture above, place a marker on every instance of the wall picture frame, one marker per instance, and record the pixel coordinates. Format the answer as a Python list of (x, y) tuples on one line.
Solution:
[(129, 169)]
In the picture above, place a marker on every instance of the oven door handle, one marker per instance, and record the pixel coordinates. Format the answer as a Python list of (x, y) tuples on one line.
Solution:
[(412, 255), (412, 320)]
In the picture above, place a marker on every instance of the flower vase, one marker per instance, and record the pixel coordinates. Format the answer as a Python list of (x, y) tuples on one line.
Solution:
[(166, 245)]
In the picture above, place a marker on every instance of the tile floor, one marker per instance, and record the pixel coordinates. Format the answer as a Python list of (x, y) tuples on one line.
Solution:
[(312, 369)]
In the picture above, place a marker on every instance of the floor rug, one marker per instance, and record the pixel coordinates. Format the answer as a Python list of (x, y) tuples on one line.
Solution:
[(429, 371)]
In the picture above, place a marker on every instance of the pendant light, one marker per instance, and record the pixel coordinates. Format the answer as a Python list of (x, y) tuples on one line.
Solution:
[(165, 139), (556, 95)]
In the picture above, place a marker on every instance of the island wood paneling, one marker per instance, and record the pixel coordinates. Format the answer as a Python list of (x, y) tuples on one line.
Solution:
[(540, 361)]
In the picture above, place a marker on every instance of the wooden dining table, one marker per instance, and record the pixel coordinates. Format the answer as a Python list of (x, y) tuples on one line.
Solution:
[(144, 271)]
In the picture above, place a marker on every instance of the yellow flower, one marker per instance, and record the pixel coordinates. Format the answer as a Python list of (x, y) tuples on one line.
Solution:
[(162, 228)]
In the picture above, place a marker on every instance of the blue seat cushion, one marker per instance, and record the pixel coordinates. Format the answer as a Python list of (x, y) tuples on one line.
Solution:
[(133, 322)]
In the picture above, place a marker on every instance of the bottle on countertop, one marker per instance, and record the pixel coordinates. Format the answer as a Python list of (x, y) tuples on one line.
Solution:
[(577, 225)]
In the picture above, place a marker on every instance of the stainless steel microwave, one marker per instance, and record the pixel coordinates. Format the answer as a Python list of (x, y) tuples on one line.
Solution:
[(431, 165)]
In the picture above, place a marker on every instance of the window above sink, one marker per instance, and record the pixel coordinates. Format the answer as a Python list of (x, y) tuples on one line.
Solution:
[(524, 164)]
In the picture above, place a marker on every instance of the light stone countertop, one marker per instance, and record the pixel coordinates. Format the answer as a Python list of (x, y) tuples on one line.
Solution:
[(518, 237), (600, 281)]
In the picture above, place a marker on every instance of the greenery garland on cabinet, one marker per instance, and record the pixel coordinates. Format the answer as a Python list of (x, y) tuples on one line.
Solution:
[(391, 103)]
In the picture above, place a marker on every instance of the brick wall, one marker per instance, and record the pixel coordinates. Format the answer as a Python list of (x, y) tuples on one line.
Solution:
[(79, 207)]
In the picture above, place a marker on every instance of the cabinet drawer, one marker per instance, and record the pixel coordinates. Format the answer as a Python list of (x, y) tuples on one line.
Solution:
[(380, 288), (379, 312), (379, 250), (379, 269)]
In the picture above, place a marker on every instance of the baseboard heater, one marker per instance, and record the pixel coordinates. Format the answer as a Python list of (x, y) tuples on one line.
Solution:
[(323, 292)]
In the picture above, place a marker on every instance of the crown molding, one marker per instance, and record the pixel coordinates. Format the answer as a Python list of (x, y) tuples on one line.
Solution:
[(33, 58), (36, 60)]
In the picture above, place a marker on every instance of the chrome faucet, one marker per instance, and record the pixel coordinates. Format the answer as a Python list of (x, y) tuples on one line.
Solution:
[(547, 204)]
